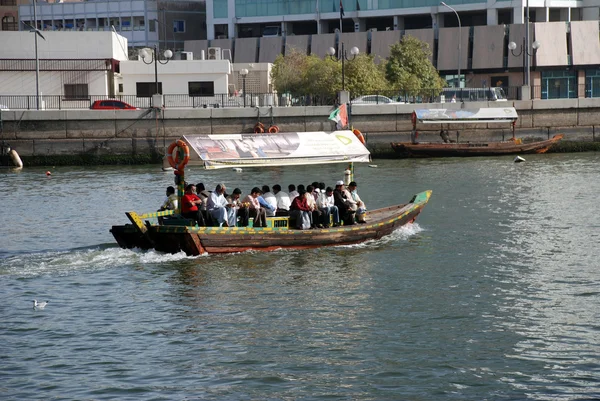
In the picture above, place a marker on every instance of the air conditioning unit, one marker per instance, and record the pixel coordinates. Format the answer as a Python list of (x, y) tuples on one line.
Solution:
[(214, 53), (185, 56)]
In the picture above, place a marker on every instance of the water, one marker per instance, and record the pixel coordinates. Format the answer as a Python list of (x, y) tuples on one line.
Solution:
[(492, 295)]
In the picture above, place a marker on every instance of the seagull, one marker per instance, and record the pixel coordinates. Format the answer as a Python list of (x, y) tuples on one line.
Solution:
[(39, 305)]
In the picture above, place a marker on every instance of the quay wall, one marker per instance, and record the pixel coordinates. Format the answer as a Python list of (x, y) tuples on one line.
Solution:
[(147, 132)]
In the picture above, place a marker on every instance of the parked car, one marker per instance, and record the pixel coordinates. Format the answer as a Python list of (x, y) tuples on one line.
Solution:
[(111, 104), (374, 99)]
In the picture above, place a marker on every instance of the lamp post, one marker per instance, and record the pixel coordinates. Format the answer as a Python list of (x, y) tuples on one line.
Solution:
[(154, 58), (343, 56), (526, 56), (459, 39), (244, 73)]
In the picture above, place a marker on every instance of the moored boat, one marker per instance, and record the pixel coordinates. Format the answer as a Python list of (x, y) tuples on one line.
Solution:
[(237, 151), (456, 148)]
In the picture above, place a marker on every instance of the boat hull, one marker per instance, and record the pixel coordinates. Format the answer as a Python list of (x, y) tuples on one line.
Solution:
[(467, 149), (200, 240)]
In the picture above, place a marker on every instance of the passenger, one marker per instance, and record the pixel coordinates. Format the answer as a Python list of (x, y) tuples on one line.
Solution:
[(265, 205), (312, 204), (300, 210), (256, 211), (190, 203), (326, 204), (270, 198), (202, 194), (343, 203), (236, 209), (292, 192), (361, 209), (217, 206), (283, 201), (170, 203), (316, 191)]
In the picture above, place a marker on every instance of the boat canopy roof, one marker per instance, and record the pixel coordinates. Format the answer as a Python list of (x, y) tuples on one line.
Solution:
[(465, 116), (281, 149)]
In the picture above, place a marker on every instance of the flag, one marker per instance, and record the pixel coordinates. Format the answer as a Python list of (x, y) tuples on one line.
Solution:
[(341, 10), (340, 116)]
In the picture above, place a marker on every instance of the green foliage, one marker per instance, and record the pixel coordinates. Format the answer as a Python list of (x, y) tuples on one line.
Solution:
[(363, 76), (409, 67)]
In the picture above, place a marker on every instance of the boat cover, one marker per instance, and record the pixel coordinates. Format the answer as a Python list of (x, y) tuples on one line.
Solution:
[(281, 149), (462, 116)]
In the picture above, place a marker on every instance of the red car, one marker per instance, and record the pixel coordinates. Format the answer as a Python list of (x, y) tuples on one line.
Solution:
[(111, 104)]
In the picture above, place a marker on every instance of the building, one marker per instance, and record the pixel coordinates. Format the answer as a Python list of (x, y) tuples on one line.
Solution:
[(72, 74), (9, 14), (167, 24), (249, 18)]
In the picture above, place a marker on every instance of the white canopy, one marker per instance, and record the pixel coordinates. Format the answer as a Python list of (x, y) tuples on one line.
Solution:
[(281, 149), (462, 116)]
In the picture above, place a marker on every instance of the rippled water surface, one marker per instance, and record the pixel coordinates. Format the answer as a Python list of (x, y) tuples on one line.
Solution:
[(493, 295)]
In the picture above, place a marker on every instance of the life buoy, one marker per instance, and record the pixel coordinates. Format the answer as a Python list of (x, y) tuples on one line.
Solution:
[(258, 130), (359, 135), (273, 129), (175, 163)]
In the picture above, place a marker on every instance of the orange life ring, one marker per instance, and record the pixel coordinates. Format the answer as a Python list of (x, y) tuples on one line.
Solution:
[(175, 163), (359, 135), (258, 130), (259, 125), (273, 129)]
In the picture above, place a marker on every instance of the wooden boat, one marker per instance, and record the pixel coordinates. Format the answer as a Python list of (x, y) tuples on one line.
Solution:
[(451, 148), (302, 148)]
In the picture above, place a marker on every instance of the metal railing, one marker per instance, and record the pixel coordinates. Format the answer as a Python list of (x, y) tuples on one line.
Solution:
[(60, 102)]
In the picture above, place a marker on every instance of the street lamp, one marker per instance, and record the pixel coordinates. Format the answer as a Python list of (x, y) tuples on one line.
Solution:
[(526, 55), (343, 56), (459, 39), (244, 72), (153, 57)]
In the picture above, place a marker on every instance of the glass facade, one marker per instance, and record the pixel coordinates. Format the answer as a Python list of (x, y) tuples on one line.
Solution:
[(559, 84), (219, 8), (592, 83), (256, 8)]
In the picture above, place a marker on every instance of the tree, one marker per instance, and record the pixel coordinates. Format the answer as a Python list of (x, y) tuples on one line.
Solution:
[(409, 67), (363, 76), (288, 72)]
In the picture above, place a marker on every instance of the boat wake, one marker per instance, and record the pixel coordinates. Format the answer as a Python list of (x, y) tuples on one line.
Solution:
[(76, 260), (401, 234)]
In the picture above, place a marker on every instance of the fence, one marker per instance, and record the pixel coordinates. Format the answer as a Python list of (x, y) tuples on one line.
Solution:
[(59, 102)]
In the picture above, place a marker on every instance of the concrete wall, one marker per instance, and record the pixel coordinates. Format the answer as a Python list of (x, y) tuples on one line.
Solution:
[(37, 133)]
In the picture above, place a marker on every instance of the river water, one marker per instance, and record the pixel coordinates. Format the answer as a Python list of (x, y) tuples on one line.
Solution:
[(494, 294)]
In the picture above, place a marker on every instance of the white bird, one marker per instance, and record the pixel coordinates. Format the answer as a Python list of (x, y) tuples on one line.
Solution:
[(39, 305), (237, 169)]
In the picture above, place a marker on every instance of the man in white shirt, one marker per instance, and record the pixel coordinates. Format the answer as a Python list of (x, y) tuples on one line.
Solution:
[(326, 204), (283, 201), (270, 198), (293, 192), (217, 206)]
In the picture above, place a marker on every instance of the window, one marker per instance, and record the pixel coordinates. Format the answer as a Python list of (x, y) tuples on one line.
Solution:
[(120, 88), (203, 88), (147, 89), (559, 84), (152, 26), (592, 83), (178, 26), (9, 23), (8, 2), (76, 92)]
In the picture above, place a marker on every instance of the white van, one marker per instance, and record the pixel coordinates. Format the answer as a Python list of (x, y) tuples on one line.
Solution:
[(271, 31)]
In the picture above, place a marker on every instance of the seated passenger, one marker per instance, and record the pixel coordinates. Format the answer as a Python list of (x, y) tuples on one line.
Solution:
[(270, 198), (217, 206), (283, 201), (256, 211), (236, 209), (361, 209), (344, 203), (314, 210), (327, 206), (170, 202), (300, 210), (190, 205)]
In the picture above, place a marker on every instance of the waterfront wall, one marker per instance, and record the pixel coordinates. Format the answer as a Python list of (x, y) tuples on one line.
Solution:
[(143, 132)]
